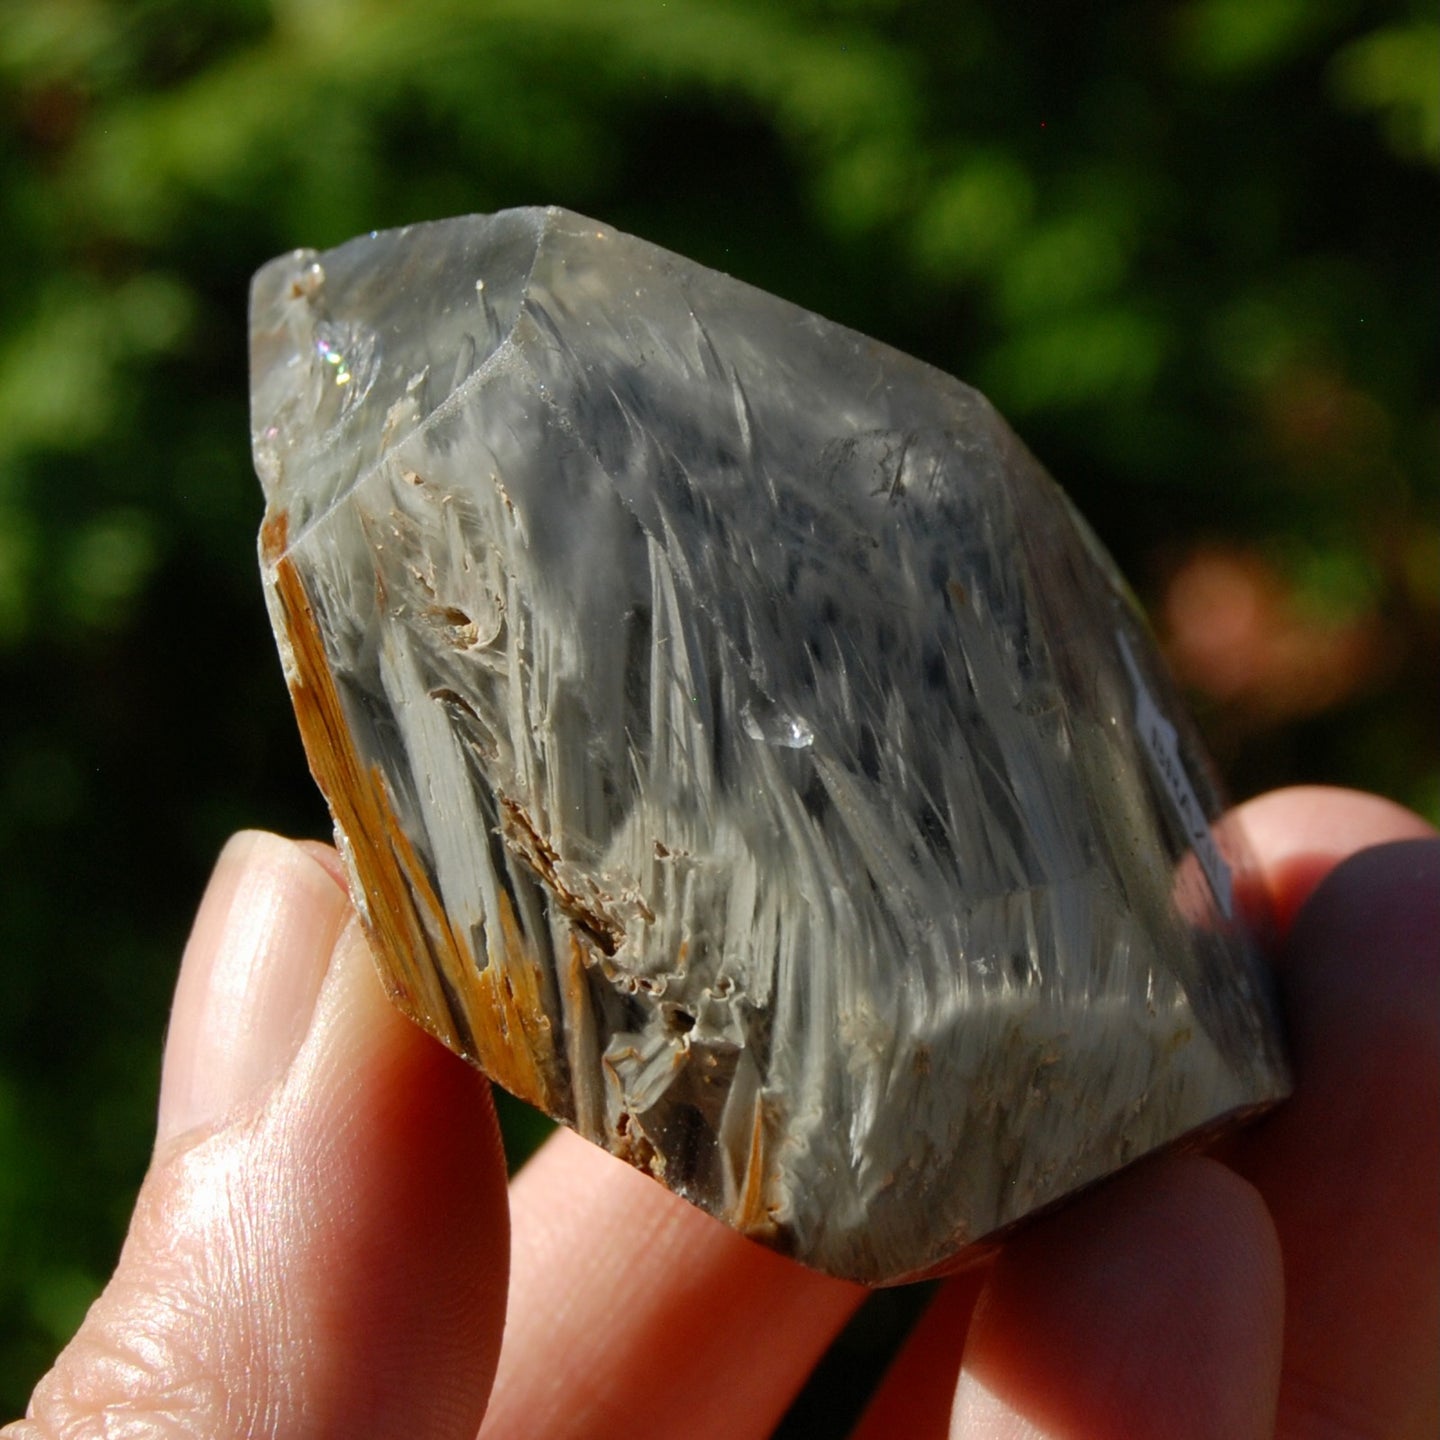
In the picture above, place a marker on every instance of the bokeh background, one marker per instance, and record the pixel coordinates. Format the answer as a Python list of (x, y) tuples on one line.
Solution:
[(1185, 245)]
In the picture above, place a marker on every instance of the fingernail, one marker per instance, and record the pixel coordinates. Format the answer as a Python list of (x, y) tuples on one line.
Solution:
[(252, 969)]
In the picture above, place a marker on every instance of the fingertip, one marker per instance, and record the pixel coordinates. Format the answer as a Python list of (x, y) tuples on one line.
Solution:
[(328, 858), (1299, 835), (1152, 1307), (248, 979)]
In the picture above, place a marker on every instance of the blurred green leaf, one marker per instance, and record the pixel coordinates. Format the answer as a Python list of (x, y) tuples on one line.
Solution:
[(58, 41), (59, 1300), (1395, 73), (973, 214), (61, 374), (105, 566), (17, 568), (1107, 356), (1057, 266), (1238, 37), (56, 372)]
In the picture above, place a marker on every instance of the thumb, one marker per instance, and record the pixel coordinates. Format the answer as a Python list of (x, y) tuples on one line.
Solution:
[(321, 1244)]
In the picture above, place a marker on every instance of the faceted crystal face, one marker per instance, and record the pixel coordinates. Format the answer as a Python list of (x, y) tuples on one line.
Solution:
[(740, 748)]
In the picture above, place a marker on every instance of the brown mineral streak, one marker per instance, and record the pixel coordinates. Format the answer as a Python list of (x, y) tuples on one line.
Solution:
[(511, 1028), (752, 1216), (537, 852), (580, 1034), (506, 1018)]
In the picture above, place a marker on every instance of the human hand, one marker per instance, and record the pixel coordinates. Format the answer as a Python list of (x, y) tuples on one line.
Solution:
[(322, 1243)]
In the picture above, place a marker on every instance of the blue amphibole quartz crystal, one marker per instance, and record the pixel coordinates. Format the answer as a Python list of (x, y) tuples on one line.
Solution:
[(739, 746)]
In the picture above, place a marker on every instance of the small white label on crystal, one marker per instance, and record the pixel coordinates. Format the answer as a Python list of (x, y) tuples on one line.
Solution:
[(1161, 741)]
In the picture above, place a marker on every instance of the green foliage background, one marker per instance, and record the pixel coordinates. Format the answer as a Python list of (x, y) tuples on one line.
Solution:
[(1185, 245)]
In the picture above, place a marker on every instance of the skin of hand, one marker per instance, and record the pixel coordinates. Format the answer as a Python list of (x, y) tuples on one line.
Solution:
[(322, 1244)]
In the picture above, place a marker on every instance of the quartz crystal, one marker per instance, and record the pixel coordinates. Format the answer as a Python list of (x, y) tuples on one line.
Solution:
[(739, 746)]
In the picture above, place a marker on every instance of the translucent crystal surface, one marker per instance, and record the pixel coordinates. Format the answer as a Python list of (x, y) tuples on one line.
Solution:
[(740, 747)]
